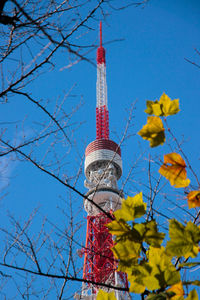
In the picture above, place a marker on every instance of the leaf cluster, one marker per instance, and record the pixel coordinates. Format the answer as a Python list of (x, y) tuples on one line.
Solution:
[(152, 269), (154, 130), (139, 251)]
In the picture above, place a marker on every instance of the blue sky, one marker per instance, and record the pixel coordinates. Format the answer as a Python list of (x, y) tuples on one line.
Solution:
[(149, 60)]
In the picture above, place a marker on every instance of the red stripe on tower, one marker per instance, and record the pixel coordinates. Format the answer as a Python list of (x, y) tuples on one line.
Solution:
[(102, 115)]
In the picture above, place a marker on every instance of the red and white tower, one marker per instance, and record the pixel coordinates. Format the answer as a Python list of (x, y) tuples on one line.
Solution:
[(103, 167)]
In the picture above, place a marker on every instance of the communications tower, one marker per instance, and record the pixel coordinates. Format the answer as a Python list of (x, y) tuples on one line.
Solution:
[(103, 167)]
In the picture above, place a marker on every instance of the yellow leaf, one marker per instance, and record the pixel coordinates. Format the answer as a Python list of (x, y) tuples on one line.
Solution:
[(105, 296), (157, 256), (153, 108), (153, 131), (169, 107), (157, 109), (164, 107), (149, 109), (194, 199), (132, 207), (176, 172), (178, 290)]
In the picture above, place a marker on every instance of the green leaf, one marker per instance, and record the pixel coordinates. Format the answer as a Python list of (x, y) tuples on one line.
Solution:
[(126, 251), (162, 267), (132, 208), (171, 276), (152, 236), (141, 229), (153, 131), (118, 227), (126, 265), (160, 296), (140, 232), (157, 273), (147, 232), (193, 231), (192, 295), (183, 239), (135, 287), (105, 296), (151, 282)]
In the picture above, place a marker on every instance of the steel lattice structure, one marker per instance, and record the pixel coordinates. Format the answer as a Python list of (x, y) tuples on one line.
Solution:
[(99, 263), (103, 167)]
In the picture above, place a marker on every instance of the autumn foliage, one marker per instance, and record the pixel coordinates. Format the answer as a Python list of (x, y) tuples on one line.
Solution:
[(154, 260), (174, 169)]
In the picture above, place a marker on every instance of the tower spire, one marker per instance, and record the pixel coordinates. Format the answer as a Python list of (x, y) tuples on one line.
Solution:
[(102, 115), (101, 53), (100, 29)]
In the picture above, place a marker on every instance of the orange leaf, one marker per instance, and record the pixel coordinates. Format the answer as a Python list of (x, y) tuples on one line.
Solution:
[(178, 290), (194, 199), (174, 169)]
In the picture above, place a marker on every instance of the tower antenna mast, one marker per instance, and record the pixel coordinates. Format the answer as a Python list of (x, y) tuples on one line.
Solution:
[(102, 115), (100, 34)]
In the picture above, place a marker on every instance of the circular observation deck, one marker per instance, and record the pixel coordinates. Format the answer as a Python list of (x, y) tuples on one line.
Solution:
[(107, 198), (102, 152)]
